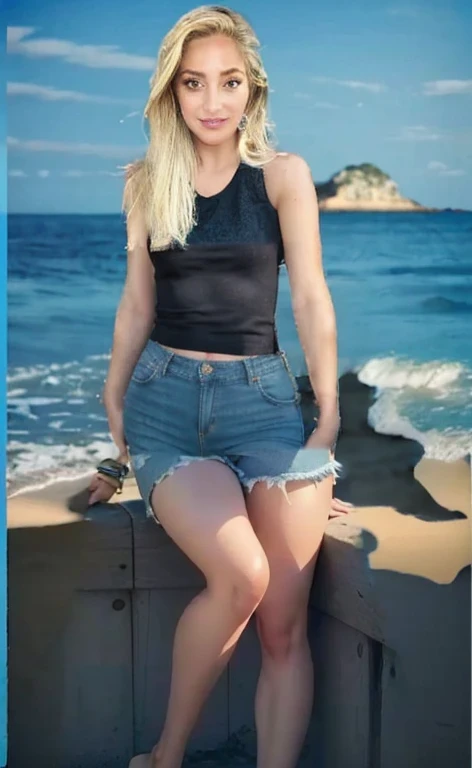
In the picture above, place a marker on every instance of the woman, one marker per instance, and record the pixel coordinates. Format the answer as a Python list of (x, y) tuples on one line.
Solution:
[(198, 390)]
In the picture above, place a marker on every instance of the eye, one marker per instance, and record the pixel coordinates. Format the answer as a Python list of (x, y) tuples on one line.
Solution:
[(191, 84), (234, 83)]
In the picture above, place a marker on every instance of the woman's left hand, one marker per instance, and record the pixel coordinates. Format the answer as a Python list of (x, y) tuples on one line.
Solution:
[(339, 508), (326, 431), (324, 436)]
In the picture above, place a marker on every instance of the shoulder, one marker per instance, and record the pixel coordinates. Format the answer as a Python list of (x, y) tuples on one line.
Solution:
[(285, 174)]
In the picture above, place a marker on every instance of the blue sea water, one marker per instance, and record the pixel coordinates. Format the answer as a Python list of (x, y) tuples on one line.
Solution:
[(401, 284)]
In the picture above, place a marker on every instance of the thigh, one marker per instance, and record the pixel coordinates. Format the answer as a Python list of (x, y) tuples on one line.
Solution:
[(202, 508), (290, 528)]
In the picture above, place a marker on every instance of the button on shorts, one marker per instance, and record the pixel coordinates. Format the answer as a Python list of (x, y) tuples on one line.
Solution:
[(245, 413)]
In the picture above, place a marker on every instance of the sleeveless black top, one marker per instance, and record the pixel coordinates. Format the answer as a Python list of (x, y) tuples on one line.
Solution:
[(219, 293)]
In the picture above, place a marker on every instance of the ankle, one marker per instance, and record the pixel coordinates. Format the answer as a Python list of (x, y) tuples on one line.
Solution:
[(160, 758)]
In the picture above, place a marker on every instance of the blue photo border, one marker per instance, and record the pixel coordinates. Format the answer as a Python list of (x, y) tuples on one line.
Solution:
[(3, 399)]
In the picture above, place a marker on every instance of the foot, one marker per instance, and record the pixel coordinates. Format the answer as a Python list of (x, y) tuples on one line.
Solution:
[(141, 761), (150, 760)]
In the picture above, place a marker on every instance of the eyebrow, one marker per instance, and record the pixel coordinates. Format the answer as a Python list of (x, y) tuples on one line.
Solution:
[(202, 74)]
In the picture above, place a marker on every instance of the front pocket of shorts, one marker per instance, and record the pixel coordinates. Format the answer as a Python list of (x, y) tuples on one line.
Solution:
[(278, 387), (147, 368)]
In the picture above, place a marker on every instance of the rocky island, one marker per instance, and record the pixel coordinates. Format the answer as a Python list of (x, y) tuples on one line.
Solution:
[(363, 188)]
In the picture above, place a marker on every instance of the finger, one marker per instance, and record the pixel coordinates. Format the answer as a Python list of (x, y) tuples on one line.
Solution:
[(93, 484), (341, 509), (334, 514), (342, 504), (99, 496), (101, 492), (93, 498)]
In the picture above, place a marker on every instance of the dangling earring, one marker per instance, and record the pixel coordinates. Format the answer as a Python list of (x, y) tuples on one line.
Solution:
[(242, 125)]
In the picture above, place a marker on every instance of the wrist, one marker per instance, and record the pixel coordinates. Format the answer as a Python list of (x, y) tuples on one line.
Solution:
[(328, 415), (328, 401), (111, 481), (114, 472)]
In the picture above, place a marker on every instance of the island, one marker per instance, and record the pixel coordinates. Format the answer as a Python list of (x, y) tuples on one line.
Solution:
[(364, 187)]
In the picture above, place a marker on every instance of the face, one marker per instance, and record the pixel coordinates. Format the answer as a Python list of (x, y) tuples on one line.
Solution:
[(212, 88)]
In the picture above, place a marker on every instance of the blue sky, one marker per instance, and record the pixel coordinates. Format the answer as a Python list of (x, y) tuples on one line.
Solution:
[(371, 81)]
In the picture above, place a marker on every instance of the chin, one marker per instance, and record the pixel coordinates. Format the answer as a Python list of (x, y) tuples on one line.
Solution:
[(213, 138)]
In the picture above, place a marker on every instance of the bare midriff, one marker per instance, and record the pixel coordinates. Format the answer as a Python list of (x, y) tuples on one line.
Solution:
[(197, 355)]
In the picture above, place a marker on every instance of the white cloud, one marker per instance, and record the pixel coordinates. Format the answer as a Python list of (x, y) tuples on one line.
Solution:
[(80, 148), (308, 97), (130, 114), (72, 174), (443, 170), (447, 87), (453, 172), (353, 84), (326, 105), (92, 56), (417, 133), (14, 34), (48, 93), (435, 165)]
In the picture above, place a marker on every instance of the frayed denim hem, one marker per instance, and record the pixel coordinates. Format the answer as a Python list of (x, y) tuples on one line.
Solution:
[(185, 461), (332, 467)]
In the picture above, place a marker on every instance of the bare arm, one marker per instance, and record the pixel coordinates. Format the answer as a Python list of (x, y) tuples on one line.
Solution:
[(135, 313), (313, 309)]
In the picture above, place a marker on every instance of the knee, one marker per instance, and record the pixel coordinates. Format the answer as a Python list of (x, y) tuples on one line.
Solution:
[(248, 585), (281, 636)]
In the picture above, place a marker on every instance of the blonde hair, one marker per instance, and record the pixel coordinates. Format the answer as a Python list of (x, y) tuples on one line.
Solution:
[(163, 183)]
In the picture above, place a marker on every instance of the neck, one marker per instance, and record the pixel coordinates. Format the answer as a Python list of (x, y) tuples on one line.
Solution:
[(219, 158)]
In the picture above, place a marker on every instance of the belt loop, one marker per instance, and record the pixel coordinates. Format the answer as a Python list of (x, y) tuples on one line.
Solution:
[(284, 360), (169, 356), (289, 371), (250, 373)]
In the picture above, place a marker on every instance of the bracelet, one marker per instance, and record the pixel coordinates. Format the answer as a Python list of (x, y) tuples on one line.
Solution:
[(113, 468)]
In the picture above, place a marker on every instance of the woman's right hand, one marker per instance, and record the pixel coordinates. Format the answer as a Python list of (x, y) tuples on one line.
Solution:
[(100, 490)]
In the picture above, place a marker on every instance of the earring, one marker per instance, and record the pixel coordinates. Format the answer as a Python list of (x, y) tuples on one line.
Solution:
[(242, 123)]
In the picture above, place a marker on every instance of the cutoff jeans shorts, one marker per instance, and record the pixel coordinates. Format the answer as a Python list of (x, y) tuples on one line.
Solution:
[(244, 413)]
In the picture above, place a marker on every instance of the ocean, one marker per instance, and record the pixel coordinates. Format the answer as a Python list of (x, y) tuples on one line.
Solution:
[(401, 284)]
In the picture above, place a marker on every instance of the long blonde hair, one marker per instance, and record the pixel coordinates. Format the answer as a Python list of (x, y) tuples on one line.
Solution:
[(163, 183)]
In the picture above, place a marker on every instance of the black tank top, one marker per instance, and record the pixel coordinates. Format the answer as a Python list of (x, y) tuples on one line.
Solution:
[(219, 293)]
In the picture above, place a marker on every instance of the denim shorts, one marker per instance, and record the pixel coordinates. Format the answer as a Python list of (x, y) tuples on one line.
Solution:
[(245, 413)]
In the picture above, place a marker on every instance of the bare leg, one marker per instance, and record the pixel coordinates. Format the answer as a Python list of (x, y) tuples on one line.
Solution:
[(202, 508), (291, 536)]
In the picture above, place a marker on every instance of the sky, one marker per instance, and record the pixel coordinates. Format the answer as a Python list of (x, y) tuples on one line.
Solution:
[(388, 83)]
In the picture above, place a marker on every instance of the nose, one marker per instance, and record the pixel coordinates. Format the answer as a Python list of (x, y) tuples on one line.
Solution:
[(212, 100)]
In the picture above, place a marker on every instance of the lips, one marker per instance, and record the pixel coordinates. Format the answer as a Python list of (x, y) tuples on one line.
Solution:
[(213, 123)]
